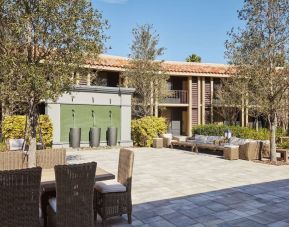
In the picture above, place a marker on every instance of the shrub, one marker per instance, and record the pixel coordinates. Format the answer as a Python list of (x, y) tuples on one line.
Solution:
[(3, 147), (237, 131), (13, 127), (284, 145), (145, 129)]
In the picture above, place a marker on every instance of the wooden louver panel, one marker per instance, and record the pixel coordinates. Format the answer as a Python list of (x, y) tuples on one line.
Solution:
[(207, 92), (195, 116), (195, 94)]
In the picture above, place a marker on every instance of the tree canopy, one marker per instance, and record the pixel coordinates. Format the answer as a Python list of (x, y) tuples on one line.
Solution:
[(42, 44), (145, 73), (257, 51), (194, 58)]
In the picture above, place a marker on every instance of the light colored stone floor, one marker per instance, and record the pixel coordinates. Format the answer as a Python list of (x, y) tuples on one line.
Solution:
[(180, 188)]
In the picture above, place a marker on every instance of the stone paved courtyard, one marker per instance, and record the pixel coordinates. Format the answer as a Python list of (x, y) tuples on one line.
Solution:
[(179, 188)]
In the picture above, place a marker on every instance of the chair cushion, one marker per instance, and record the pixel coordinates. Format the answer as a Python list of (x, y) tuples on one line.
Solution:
[(109, 186), (239, 141), (169, 136), (52, 203), (212, 139), (200, 139)]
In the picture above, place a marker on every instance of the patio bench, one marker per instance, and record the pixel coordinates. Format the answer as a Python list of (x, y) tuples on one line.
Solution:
[(184, 145), (284, 153), (211, 147)]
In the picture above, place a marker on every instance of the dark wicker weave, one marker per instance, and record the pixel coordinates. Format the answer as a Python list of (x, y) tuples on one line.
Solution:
[(118, 203), (74, 194), (49, 158), (19, 197)]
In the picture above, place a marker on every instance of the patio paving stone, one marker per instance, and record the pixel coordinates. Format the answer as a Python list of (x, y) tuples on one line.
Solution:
[(178, 188)]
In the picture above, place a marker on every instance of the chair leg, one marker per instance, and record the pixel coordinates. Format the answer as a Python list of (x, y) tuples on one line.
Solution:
[(103, 222), (129, 218)]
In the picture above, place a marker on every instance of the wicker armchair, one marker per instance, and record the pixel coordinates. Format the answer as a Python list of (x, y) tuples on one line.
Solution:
[(20, 191), (73, 205), (114, 198)]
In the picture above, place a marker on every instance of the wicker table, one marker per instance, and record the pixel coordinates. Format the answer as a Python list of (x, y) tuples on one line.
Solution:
[(48, 185), (231, 152), (158, 142)]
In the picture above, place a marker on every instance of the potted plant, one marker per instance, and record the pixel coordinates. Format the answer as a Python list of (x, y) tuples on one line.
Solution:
[(74, 134), (94, 133), (111, 133)]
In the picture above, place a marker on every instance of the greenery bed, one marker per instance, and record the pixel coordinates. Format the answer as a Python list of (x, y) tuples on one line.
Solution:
[(237, 131)]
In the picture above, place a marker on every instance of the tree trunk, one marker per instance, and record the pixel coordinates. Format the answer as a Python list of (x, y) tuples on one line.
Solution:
[(156, 106), (257, 124), (152, 100), (273, 128), (33, 117)]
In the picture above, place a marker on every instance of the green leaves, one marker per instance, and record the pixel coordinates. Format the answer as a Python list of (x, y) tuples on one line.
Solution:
[(193, 58), (237, 131), (13, 127), (42, 44), (145, 129), (145, 74)]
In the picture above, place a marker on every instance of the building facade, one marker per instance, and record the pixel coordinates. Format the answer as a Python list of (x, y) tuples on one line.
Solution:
[(88, 107), (193, 88), (192, 99)]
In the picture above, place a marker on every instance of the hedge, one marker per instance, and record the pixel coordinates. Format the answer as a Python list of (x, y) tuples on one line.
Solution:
[(237, 131), (3, 147), (13, 127), (145, 129)]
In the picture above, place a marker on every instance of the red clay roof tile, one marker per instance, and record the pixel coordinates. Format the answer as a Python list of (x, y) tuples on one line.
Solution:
[(172, 67)]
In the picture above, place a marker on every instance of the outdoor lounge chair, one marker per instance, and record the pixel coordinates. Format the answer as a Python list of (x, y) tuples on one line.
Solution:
[(73, 205), (113, 198), (19, 197)]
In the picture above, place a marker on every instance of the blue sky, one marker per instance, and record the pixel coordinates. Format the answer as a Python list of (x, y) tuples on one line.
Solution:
[(184, 26)]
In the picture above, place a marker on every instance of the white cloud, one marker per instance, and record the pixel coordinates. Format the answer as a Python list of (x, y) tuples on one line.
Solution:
[(115, 1)]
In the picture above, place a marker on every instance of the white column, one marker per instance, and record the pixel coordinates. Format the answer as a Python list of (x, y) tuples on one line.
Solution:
[(190, 99)]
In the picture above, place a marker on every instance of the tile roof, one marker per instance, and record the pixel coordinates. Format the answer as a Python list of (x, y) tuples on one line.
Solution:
[(120, 63)]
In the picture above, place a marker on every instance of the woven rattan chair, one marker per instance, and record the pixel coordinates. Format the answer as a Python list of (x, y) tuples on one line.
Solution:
[(19, 197), (73, 205), (114, 198), (49, 158)]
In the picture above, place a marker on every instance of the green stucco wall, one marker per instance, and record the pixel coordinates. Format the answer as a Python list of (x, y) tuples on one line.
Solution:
[(84, 120)]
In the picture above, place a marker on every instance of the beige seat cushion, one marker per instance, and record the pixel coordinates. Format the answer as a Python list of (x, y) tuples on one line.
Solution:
[(109, 186), (52, 202)]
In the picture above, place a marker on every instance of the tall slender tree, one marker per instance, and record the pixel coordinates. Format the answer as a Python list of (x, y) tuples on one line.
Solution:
[(145, 73), (42, 44), (259, 52)]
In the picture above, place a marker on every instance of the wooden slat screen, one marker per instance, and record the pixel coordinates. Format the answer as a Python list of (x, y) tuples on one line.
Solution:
[(207, 92), (195, 92), (195, 116)]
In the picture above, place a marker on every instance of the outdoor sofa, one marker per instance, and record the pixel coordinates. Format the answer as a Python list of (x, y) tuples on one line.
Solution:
[(248, 149)]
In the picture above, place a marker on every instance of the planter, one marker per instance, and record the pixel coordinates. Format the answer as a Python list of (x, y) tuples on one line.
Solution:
[(74, 137), (46, 159), (49, 158), (111, 136), (94, 137), (12, 160)]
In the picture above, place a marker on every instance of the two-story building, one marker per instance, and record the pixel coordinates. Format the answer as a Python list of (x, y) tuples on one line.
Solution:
[(193, 87)]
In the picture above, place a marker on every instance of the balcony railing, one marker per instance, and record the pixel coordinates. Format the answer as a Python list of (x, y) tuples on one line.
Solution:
[(177, 97)]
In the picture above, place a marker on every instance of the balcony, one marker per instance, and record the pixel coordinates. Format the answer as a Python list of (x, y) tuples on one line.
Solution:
[(176, 97)]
